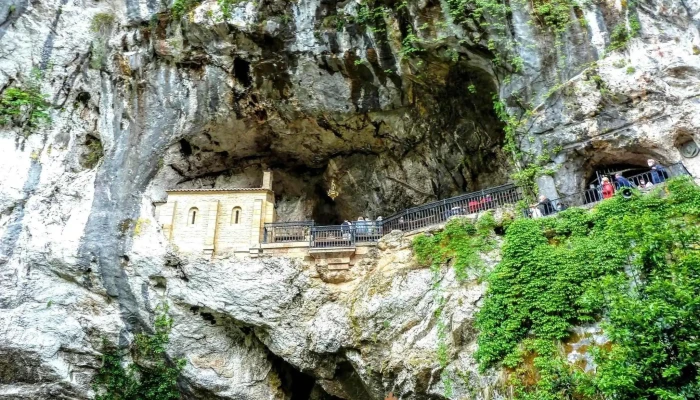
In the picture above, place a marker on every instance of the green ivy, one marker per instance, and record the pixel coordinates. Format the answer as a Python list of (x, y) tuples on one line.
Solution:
[(460, 241), (25, 105), (150, 377), (182, 7), (632, 265)]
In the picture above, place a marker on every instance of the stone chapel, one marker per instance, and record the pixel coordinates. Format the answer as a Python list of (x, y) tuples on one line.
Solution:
[(217, 220)]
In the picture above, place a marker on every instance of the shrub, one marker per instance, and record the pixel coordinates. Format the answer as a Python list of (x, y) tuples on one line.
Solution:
[(150, 377), (25, 105), (101, 22)]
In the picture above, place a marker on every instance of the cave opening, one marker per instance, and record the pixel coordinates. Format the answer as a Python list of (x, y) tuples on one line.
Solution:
[(627, 170), (241, 70), (296, 384)]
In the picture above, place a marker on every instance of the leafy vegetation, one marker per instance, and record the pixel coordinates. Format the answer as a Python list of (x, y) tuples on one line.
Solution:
[(101, 22), (622, 34), (25, 105), (93, 153), (460, 241), (150, 377), (632, 265), (182, 7)]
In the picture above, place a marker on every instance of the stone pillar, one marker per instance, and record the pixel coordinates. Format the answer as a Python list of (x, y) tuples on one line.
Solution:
[(166, 218), (267, 180), (256, 223), (211, 219), (270, 208)]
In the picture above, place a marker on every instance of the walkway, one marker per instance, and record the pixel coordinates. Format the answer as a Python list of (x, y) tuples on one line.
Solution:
[(338, 236)]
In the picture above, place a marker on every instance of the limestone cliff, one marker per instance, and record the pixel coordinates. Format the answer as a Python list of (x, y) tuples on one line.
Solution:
[(398, 108)]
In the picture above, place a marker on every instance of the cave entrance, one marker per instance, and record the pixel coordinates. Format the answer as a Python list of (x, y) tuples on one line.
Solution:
[(296, 384), (626, 170)]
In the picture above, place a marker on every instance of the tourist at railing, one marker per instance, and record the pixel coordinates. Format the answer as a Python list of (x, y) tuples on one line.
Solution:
[(346, 228), (360, 226), (658, 172), (622, 181), (608, 189)]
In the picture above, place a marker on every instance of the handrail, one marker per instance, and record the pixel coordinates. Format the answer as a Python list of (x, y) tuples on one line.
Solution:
[(287, 232), (436, 212), (594, 196)]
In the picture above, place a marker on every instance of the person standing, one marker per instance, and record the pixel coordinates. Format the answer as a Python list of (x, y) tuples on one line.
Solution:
[(608, 189), (361, 226), (658, 172), (622, 181)]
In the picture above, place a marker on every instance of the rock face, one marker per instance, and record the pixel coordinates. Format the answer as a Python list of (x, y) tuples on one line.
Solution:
[(398, 110)]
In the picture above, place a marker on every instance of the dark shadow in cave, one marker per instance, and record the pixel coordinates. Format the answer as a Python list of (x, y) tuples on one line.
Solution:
[(294, 382), (326, 211)]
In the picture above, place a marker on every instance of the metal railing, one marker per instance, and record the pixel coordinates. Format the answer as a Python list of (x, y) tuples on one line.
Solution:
[(440, 211), (330, 236), (286, 232), (592, 196)]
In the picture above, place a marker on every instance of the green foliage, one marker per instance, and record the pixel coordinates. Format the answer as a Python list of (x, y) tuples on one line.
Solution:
[(460, 241), (182, 7), (408, 45), (371, 16), (632, 263), (227, 6), (622, 34), (99, 51), (553, 14), (101, 22), (25, 106), (150, 377), (93, 154), (631, 70)]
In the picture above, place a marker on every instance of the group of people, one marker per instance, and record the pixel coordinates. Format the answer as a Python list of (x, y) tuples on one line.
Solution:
[(657, 173), (606, 190), (363, 226)]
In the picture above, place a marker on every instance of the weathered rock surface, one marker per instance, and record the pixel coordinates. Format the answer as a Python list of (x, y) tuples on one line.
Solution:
[(204, 102)]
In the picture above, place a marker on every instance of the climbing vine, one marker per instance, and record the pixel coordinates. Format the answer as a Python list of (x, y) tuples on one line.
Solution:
[(631, 265), (151, 376)]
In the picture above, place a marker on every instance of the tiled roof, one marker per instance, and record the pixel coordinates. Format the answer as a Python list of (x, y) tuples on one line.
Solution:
[(217, 190)]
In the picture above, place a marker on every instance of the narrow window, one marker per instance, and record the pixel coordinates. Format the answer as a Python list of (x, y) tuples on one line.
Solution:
[(236, 215), (193, 215)]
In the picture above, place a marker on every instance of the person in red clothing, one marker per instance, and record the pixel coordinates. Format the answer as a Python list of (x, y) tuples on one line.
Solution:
[(608, 189)]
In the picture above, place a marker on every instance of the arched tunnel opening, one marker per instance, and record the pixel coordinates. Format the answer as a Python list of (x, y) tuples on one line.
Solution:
[(610, 170)]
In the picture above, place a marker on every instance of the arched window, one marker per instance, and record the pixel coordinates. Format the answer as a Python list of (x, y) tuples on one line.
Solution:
[(236, 215), (192, 216)]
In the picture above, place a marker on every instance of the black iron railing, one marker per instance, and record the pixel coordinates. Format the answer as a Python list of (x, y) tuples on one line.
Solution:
[(592, 196), (440, 211), (331, 236), (286, 232), (407, 220)]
